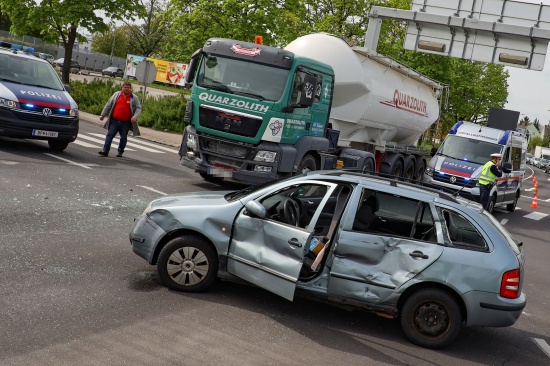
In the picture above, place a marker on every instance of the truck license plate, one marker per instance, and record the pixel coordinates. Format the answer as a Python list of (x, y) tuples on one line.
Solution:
[(43, 133), (219, 172)]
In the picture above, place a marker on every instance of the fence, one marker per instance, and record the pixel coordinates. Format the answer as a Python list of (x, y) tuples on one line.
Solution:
[(91, 61)]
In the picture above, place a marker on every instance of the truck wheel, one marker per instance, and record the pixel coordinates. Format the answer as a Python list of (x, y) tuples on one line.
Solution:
[(307, 164), (188, 263), (397, 171), (420, 168), (409, 173), (368, 167), (57, 145), (431, 318), (512, 206)]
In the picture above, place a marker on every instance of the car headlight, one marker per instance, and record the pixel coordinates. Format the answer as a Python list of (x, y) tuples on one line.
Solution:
[(191, 141), (429, 172), (73, 112), (7, 103), (265, 156)]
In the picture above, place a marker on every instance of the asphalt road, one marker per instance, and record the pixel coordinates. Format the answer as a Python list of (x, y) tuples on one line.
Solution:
[(73, 293)]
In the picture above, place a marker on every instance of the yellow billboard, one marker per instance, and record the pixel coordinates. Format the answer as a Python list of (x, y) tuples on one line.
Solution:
[(169, 72)]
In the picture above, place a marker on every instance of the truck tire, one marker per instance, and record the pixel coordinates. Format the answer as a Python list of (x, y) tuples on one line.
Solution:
[(431, 318), (307, 164), (368, 167), (409, 173), (420, 168)]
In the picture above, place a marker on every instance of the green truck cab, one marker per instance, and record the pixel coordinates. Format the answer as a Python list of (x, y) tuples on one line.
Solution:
[(256, 113)]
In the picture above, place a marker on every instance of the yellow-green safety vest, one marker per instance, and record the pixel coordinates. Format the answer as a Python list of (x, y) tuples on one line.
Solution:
[(487, 177)]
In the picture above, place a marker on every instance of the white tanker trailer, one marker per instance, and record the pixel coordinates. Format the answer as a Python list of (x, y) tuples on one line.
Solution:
[(257, 112)]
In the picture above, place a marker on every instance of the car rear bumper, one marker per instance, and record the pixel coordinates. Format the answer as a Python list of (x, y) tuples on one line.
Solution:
[(490, 310)]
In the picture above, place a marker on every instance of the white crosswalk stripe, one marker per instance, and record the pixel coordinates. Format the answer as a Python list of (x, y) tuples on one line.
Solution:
[(133, 144), (141, 142), (100, 142)]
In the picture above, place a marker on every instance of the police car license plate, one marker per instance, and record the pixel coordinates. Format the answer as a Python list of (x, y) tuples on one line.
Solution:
[(43, 133)]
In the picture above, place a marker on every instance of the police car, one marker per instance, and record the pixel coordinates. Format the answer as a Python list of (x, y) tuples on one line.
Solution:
[(34, 103)]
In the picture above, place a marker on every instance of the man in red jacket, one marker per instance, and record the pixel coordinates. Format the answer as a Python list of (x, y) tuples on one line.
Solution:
[(122, 111)]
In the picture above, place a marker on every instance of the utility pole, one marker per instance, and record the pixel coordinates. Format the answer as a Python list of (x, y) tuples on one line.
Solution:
[(113, 46)]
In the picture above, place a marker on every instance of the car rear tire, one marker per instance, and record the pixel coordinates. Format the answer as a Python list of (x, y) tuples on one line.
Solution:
[(57, 145), (431, 318), (188, 263)]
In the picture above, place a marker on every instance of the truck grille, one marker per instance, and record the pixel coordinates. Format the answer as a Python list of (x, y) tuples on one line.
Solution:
[(223, 147), (228, 122)]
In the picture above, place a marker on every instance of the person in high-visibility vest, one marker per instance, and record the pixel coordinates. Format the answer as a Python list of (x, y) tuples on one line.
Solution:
[(491, 171)]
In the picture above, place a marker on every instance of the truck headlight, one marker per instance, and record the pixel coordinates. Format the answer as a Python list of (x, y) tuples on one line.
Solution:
[(265, 156), (429, 172), (191, 141), (7, 103)]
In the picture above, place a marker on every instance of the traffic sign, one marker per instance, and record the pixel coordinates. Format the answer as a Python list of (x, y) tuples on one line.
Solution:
[(146, 72)]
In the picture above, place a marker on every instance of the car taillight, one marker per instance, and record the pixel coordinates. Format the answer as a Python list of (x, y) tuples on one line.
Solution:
[(509, 287)]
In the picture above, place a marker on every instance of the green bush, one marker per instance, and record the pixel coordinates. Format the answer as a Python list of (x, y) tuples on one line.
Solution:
[(163, 114)]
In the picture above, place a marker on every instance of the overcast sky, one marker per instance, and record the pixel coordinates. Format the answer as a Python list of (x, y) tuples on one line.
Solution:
[(528, 90)]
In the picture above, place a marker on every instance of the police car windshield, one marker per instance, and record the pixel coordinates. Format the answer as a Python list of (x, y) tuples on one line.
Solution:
[(465, 149), (237, 76), (28, 71)]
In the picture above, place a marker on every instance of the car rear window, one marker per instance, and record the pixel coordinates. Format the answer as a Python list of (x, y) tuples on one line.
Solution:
[(512, 242)]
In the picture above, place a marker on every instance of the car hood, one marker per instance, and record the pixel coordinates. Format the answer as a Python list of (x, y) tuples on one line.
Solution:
[(194, 199), (457, 167), (36, 95)]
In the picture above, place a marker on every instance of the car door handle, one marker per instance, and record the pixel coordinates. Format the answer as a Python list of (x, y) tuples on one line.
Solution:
[(418, 254), (295, 243)]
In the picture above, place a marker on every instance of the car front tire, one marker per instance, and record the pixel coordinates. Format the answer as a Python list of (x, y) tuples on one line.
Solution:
[(431, 318), (188, 263), (57, 145)]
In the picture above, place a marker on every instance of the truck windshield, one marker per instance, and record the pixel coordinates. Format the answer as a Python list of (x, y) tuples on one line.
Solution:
[(236, 76), (462, 148)]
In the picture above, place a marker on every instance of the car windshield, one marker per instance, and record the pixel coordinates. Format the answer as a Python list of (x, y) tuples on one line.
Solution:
[(462, 148), (235, 76), (31, 71)]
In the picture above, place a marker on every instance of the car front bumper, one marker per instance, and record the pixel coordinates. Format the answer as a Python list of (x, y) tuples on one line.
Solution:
[(144, 238)]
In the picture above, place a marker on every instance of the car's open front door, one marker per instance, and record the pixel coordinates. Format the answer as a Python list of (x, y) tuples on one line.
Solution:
[(267, 253)]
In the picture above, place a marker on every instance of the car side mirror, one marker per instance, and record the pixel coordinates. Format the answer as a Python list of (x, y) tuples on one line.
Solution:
[(433, 151), (507, 167), (67, 88), (256, 209)]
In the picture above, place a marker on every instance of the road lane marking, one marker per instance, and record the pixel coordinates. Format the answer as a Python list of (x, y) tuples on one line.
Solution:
[(136, 145), (536, 216), (543, 345), (69, 161), (82, 143), (150, 144), (101, 142), (153, 190)]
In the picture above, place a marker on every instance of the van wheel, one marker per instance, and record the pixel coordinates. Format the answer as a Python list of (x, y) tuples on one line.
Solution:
[(492, 203), (512, 206), (57, 145), (188, 263), (431, 318)]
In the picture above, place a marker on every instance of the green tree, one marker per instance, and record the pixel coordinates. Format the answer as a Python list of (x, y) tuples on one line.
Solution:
[(537, 125), (146, 38), (61, 20), (535, 141), (5, 22), (117, 36)]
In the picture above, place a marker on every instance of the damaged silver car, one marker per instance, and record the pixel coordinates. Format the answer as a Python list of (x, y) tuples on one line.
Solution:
[(432, 260)]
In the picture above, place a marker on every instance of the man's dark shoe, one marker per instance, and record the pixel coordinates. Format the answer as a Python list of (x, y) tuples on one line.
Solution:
[(103, 153), (119, 155)]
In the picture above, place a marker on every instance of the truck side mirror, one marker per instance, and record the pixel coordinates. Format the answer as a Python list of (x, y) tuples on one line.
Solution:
[(308, 90), (507, 167), (433, 151), (190, 74)]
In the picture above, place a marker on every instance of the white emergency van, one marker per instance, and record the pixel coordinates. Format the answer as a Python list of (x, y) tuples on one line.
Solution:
[(457, 164)]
